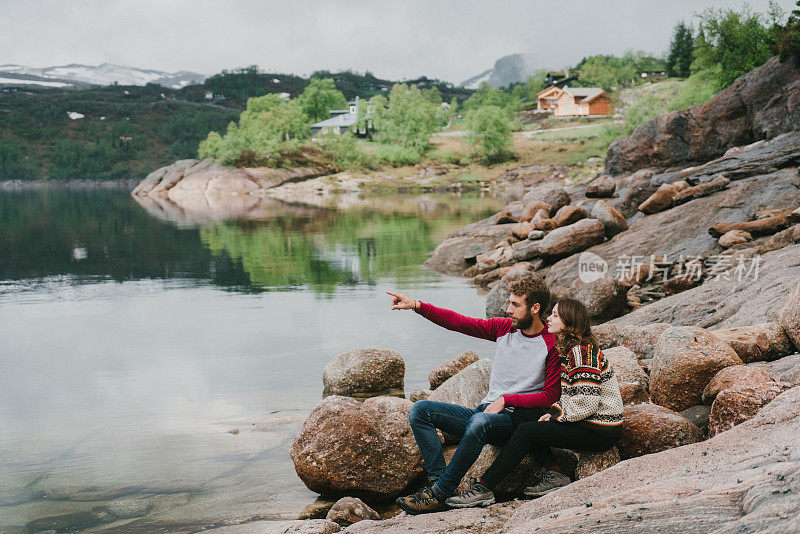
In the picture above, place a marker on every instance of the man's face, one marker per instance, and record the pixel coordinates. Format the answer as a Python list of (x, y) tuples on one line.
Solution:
[(519, 312)]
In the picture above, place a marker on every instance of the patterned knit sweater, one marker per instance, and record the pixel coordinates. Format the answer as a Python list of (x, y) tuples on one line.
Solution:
[(589, 391)]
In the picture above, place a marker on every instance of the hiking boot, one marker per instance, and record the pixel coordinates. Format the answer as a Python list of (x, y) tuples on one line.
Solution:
[(476, 494), (549, 481), (421, 502)]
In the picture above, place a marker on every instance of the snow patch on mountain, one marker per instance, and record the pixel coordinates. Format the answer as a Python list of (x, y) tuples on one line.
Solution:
[(105, 74)]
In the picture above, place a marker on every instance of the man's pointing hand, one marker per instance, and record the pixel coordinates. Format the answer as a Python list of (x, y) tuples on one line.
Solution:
[(402, 302)]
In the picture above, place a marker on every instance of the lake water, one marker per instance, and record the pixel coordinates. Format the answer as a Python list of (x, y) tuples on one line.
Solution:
[(154, 371)]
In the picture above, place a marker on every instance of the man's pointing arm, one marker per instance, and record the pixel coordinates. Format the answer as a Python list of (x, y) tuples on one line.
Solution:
[(489, 329)]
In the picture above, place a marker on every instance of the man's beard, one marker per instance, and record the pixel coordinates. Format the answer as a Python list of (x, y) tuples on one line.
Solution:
[(525, 322)]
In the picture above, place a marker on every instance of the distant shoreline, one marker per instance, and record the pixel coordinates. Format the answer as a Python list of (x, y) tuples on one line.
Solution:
[(38, 185)]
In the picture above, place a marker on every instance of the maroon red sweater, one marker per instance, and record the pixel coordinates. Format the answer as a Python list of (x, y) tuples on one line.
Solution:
[(526, 370)]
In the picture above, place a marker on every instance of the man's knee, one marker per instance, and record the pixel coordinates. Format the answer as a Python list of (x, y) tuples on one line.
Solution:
[(480, 425), (419, 411)]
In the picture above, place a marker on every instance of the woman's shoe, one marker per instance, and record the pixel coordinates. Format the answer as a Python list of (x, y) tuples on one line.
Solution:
[(550, 481), (476, 494)]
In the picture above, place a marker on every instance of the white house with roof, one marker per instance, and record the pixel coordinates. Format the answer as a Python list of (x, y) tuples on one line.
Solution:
[(345, 120)]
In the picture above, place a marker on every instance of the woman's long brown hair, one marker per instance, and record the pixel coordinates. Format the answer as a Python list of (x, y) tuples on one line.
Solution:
[(577, 329)]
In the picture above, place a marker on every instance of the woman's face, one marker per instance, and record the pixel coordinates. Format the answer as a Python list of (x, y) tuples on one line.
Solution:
[(554, 323)]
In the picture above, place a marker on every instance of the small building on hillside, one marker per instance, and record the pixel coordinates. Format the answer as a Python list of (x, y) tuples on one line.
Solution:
[(547, 99), (560, 78), (346, 120), (573, 101), (653, 74)]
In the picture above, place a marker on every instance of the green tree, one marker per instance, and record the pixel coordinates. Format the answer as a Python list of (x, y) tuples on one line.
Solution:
[(408, 120), (732, 43), (319, 97), (210, 146), (432, 95), (681, 51), (535, 83), (490, 133), (489, 96), (787, 37), (596, 72)]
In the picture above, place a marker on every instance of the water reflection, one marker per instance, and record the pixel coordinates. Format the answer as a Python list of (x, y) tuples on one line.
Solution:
[(107, 234), (125, 367)]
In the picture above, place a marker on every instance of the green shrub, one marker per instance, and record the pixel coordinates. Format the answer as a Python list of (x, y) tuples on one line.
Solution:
[(398, 156), (346, 153)]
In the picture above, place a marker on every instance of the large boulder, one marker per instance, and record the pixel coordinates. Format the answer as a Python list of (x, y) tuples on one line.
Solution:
[(497, 299), (633, 381), (704, 189), (459, 249), (533, 207), (685, 361), (649, 428), (449, 368), (662, 199), (346, 446), (758, 342), (569, 215), (572, 238), (612, 220), (590, 463), (604, 298), (601, 187), (467, 387), (787, 369), (736, 376), (789, 316), (758, 227), (732, 238), (553, 194), (759, 105), (641, 339), (739, 403), (349, 510), (364, 371)]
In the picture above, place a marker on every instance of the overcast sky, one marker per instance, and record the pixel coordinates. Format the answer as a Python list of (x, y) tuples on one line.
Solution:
[(451, 40)]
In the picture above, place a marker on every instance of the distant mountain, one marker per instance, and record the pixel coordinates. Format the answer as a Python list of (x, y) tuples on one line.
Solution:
[(79, 76), (507, 70)]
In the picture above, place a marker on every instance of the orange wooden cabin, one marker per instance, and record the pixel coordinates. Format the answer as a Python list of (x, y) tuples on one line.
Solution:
[(572, 101)]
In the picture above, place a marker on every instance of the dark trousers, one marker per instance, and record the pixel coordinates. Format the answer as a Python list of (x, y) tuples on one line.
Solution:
[(536, 438)]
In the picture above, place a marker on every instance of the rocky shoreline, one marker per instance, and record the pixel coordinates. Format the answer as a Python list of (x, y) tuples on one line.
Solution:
[(708, 355), (75, 185)]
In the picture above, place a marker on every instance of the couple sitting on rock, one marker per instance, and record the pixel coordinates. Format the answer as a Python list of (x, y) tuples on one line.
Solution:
[(550, 386)]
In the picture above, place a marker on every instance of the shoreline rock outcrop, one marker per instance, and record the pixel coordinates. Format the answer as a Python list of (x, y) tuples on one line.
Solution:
[(361, 449), (759, 105)]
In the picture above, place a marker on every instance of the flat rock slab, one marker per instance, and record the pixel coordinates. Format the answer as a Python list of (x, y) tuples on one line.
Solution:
[(683, 229), (728, 303)]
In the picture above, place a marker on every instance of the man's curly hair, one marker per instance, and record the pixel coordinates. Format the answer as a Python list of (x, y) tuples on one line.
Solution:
[(534, 290)]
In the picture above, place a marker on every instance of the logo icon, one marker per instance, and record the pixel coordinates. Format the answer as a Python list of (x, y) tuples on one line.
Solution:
[(591, 267)]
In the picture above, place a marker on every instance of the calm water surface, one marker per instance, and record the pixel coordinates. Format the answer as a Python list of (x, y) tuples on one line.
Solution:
[(153, 373)]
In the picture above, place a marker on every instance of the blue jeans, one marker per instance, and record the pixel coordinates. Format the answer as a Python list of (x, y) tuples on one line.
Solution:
[(475, 428)]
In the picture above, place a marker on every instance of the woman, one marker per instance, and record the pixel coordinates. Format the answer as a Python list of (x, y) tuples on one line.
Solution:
[(588, 417)]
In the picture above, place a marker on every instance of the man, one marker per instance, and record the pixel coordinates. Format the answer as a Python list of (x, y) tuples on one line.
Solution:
[(526, 373)]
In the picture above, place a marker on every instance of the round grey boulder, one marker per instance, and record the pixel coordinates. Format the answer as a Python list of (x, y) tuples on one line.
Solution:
[(365, 370)]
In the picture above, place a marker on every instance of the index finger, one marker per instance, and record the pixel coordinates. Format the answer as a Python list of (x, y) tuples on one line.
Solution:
[(393, 294)]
